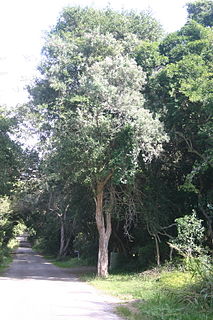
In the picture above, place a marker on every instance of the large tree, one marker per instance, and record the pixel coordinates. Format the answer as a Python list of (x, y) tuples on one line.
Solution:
[(103, 138), (90, 106)]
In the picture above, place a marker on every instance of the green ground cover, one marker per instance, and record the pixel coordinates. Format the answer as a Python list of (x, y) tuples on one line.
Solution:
[(5, 261), (165, 295), (67, 263), (6, 256)]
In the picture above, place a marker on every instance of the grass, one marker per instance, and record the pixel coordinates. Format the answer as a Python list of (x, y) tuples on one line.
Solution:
[(77, 266), (6, 254), (5, 263), (5, 258), (71, 263), (158, 296), (125, 286), (67, 263)]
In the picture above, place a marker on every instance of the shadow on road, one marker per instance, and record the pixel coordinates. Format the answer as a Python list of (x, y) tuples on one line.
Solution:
[(58, 295), (27, 264)]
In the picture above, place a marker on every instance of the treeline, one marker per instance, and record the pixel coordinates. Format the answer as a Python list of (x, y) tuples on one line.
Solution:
[(123, 114)]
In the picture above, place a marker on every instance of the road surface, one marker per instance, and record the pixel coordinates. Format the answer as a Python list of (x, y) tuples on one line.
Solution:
[(34, 289)]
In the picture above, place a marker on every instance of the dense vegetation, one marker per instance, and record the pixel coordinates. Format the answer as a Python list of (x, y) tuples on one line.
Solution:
[(11, 158), (123, 168)]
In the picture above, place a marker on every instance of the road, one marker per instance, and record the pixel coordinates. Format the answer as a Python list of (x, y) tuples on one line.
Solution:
[(34, 289)]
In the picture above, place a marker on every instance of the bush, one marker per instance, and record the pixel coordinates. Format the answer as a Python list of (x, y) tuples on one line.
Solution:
[(202, 269), (190, 236)]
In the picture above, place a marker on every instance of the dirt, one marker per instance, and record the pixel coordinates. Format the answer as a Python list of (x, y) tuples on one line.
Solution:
[(33, 288)]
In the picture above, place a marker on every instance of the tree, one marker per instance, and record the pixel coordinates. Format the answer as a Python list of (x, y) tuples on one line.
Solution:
[(90, 104), (11, 157), (201, 11), (190, 236), (180, 90), (103, 138), (6, 222), (10, 154)]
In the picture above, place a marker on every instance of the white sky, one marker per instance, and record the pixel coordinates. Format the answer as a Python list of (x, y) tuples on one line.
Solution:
[(23, 22)]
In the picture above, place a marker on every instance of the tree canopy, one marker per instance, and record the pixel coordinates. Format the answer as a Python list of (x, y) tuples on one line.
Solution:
[(10, 154)]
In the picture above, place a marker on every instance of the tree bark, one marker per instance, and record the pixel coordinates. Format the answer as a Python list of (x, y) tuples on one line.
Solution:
[(157, 250), (62, 236), (103, 221)]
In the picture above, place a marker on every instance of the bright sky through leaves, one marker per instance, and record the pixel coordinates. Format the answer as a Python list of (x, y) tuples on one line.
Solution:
[(22, 26)]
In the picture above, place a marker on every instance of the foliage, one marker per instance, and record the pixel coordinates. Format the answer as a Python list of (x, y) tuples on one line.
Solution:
[(10, 154), (190, 236), (8, 231), (11, 157), (107, 119), (179, 90), (7, 222), (201, 11), (77, 20)]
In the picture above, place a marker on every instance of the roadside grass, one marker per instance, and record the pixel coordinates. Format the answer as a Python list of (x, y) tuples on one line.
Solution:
[(71, 263), (125, 286), (165, 295), (5, 262), (6, 254), (67, 263)]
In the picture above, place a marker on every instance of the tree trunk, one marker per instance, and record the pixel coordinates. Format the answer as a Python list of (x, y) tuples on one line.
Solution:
[(157, 250), (64, 240), (103, 256), (104, 227), (62, 236)]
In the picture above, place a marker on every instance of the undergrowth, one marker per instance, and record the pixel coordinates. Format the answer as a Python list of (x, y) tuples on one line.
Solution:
[(159, 295), (5, 257), (70, 262)]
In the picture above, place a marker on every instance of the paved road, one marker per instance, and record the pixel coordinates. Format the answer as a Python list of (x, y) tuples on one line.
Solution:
[(34, 289)]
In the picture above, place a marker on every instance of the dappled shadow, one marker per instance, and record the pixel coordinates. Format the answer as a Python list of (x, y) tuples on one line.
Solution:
[(40, 290), (28, 264)]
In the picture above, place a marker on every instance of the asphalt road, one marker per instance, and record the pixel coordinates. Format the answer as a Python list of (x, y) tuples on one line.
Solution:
[(34, 289)]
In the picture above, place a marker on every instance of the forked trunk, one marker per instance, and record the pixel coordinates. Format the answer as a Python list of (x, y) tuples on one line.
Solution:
[(103, 222)]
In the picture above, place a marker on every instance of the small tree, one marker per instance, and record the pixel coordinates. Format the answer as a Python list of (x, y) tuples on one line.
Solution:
[(190, 236)]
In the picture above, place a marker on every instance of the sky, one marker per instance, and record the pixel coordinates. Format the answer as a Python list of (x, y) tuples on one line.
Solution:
[(23, 24)]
